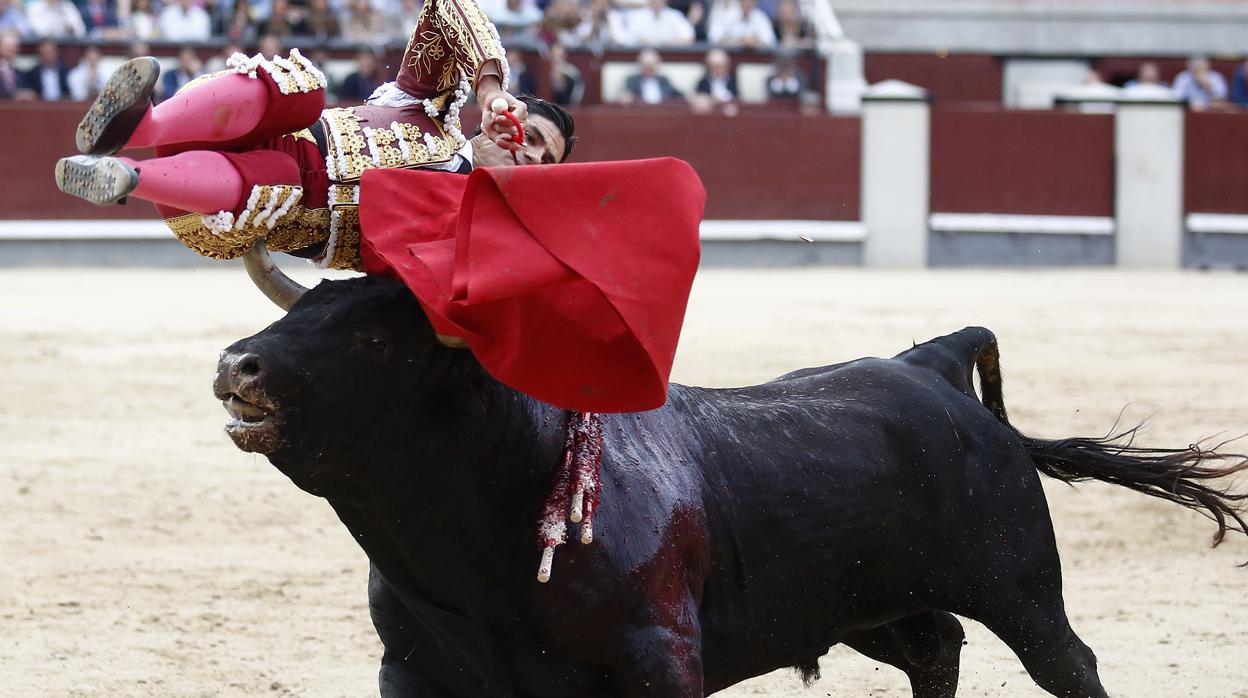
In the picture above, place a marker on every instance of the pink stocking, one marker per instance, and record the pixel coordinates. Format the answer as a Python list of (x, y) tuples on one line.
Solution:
[(225, 108), (199, 181)]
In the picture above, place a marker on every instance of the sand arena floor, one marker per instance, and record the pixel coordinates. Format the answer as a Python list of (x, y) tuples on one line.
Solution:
[(143, 555)]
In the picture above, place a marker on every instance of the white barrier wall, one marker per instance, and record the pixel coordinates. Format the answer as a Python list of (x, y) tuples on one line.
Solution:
[(1148, 197), (895, 174)]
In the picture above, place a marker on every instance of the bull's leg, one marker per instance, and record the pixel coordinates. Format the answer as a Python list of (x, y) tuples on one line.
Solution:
[(400, 637), (926, 646), (1053, 654), (663, 660)]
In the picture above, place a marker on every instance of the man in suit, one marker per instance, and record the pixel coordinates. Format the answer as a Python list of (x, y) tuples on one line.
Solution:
[(189, 68), (10, 78), (648, 86), (718, 87), (49, 80)]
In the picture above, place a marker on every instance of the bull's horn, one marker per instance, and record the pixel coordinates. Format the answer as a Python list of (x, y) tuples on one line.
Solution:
[(272, 282)]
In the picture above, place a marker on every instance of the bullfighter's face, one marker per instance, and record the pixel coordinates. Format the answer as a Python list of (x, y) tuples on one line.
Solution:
[(320, 389)]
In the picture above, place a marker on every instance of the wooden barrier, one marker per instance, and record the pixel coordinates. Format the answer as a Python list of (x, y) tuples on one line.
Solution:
[(1215, 163), (760, 164), (1022, 162)]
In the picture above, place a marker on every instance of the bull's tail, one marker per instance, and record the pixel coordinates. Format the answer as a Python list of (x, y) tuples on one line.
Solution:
[(1186, 476)]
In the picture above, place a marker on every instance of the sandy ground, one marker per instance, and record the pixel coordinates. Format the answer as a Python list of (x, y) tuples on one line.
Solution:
[(143, 555)]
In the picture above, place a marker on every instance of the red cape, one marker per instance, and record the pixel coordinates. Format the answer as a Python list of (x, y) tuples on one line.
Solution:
[(568, 282)]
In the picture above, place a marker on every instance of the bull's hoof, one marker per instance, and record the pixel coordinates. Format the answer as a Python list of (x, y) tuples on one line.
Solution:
[(119, 108), (101, 181)]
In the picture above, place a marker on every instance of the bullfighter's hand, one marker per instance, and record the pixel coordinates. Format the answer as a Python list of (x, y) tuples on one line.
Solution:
[(497, 127)]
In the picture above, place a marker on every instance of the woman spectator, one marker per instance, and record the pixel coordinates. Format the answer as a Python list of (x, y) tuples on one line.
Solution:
[(561, 22), (240, 29), (792, 29), (140, 23), (599, 24), (284, 20)]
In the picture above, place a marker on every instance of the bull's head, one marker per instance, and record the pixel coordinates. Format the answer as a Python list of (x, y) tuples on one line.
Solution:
[(336, 377)]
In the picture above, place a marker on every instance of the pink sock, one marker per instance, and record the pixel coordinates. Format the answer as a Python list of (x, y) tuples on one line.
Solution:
[(200, 181), (221, 109)]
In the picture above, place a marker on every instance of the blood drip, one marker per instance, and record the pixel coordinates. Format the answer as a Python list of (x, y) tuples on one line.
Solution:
[(577, 489)]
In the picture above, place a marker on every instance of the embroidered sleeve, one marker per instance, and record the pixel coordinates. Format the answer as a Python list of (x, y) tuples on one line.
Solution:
[(452, 39)]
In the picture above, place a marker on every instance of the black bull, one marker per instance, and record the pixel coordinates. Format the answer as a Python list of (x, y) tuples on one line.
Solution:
[(740, 530)]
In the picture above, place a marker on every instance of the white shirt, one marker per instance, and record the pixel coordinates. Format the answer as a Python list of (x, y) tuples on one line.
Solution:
[(642, 26), (192, 24), (733, 29), (50, 84), (55, 21), (80, 83)]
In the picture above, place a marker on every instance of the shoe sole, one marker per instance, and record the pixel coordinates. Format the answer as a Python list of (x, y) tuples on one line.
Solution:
[(101, 181), (119, 108)]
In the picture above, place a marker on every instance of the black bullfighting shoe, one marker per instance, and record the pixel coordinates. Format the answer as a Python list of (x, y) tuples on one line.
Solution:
[(99, 180), (115, 114)]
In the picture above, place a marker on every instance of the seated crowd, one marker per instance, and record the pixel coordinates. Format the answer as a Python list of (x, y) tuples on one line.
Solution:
[(544, 27)]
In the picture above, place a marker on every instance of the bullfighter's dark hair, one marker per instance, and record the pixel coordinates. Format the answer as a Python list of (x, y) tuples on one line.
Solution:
[(559, 116)]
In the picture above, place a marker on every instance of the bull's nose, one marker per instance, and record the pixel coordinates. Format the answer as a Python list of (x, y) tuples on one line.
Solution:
[(235, 372)]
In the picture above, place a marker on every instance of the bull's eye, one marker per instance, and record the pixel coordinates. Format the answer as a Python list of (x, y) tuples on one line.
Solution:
[(378, 345)]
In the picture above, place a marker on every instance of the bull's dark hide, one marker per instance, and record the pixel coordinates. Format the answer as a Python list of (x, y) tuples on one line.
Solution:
[(740, 530)]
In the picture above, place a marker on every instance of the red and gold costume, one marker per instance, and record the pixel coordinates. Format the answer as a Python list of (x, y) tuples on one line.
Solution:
[(301, 164)]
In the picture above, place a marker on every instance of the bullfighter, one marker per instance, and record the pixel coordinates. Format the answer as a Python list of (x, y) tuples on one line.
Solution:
[(252, 152)]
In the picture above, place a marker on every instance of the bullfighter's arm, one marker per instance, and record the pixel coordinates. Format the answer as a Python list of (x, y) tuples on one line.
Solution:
[(454, 39)]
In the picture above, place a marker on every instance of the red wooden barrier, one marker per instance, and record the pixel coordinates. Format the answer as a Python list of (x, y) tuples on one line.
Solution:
[(1215, 163), (1023, 162), (759, 165), (948, 78)]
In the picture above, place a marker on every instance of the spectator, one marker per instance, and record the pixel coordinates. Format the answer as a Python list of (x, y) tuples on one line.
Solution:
[(518, 21), (1239, 85), (656, 24), (284, 20), (100, 18), (86, 79), (137, 49), (189, 68), (10, 79), (742, 25), (1200, 86), (600, 24), (786, 82), (407, 17), (1148, 74), (792, 29), (561, 22), (648, 86), (240, 28), (364, 25), (718, 87), (359, 86), (566, 85), (321, 22), (13, 19), (218, 61), (140, 23), (183, 21), (269, 46), (522, 79), (695, 12), (55, 19), (49, 79), (320, 58)]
